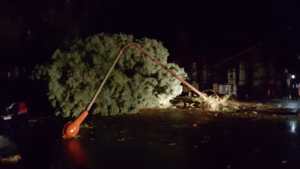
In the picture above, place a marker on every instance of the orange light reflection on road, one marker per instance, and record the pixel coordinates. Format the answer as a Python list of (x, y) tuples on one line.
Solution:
[(76, 153)]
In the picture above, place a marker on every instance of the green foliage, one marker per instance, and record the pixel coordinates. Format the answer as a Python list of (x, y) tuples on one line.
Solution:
[(76, 71)]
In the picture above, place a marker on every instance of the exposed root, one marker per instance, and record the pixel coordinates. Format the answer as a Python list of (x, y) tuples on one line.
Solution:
[(215, 103)]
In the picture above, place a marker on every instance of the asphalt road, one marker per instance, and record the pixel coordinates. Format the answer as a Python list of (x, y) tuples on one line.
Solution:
[(142, 143)]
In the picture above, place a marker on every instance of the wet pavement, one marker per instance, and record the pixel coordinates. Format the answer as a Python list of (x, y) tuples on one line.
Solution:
[(156, 143), (291, 105)]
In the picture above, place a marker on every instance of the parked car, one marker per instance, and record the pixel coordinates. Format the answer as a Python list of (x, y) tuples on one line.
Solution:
[(13, 116), (13, 110)]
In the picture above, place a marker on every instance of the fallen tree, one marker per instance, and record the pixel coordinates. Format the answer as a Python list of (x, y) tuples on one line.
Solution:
[(142, 78), (75, 72)]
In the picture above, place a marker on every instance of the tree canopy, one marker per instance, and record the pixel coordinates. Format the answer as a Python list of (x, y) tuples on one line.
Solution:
[(75, 72)]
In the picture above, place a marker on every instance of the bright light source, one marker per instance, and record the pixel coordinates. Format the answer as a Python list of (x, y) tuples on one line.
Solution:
[(293, 126), (293, 76)]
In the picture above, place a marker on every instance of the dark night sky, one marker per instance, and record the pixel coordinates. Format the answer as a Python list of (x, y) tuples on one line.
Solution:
[(35, 28)]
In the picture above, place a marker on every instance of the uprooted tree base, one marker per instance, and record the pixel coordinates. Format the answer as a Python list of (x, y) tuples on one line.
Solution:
[(222, 104)]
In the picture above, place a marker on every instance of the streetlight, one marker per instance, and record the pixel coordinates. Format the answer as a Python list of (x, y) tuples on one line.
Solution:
[(293, 76)]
